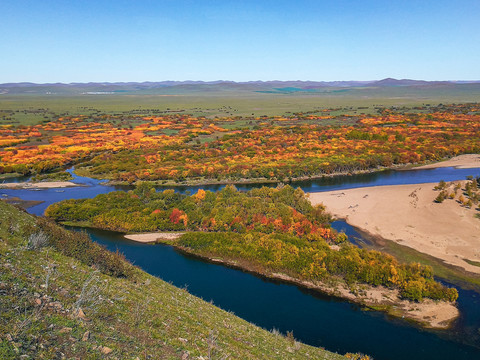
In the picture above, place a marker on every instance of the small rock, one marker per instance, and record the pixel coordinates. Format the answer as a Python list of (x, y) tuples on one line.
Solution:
[(105, 350), (81, 314), (9, 337), (183, 340), (38, 301), (55, 304), (65, 330), (24, 357), (86, 336), (185, 355)]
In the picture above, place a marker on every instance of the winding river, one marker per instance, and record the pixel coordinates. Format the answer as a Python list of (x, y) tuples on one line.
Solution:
[(314, 318)]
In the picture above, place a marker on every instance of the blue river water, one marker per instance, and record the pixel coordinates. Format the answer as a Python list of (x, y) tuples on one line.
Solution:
[(92, 187), (314, 318)]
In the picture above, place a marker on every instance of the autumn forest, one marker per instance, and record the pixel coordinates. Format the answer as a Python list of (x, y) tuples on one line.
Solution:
[(178, 148)]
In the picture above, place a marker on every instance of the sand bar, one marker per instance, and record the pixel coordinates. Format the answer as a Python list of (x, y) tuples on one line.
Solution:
[(39, 185), (460, 162), (408, 215), (154, 237)]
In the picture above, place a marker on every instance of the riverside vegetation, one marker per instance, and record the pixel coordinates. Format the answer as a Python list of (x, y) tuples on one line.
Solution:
[(466, 193), (274, 229), (63, 296)]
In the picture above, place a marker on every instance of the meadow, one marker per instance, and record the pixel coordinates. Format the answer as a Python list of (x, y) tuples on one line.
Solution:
[(35, 106)]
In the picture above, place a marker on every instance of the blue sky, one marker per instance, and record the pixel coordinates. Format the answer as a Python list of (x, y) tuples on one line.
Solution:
[(146, 40)]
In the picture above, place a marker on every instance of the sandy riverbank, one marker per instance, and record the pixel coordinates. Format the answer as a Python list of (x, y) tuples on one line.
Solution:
[(432, 314), (153, 237), (408, 215), (39, 185), (460, 162)]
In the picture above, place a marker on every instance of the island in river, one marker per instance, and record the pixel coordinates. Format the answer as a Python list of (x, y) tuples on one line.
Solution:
[(275, 233)]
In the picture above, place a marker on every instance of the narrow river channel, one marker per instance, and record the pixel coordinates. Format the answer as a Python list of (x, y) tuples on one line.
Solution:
[(314, 318)]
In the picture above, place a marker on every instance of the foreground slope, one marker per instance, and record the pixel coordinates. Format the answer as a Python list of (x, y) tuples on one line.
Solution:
[(55, 306)]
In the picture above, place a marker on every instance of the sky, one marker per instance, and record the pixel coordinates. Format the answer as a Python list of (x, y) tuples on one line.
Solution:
[(245, 40)]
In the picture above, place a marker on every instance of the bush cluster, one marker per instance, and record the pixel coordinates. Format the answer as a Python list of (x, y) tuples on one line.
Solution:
[(267, 210), (81, 247)]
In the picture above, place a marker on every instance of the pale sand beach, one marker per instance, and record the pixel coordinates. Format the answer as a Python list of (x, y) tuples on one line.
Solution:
[(39, 185), (408, 215), (460, 162), (435, 314), (153, 237)]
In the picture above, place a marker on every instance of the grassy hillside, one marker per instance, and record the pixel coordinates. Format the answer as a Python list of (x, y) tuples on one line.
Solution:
[(56, 306)]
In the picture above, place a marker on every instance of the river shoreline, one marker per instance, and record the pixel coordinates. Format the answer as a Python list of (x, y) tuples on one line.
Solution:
[(465, 161), (259, 181), (428, 313), (461, 162), (149, 238)]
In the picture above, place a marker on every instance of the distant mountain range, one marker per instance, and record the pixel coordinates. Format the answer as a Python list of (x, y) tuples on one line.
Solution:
[(179, 87)]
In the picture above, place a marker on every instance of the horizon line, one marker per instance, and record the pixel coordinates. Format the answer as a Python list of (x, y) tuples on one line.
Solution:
[(230, 81)]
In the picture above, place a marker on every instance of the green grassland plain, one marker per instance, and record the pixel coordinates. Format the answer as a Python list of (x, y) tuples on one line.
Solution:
[(34, 108)]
